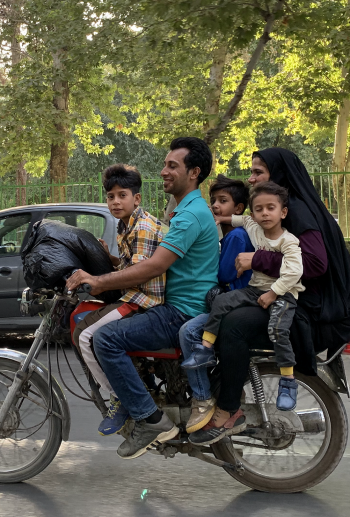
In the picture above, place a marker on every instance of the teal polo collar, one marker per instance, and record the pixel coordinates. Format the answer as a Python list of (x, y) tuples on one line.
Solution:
[(187, 199)]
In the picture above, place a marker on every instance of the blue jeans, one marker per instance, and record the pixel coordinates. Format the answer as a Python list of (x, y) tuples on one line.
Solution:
[(189, 335), (155, 329)]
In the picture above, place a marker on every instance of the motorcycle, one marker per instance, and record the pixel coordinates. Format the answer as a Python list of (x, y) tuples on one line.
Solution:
[(278, 451)]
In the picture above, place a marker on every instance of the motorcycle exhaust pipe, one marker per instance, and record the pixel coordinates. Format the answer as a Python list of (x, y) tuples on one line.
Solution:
[(313, 420)]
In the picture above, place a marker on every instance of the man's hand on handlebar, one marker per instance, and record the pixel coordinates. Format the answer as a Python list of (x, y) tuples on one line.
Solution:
[(79, 278)]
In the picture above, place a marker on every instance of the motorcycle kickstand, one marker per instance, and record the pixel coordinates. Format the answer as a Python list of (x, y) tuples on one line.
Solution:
[(238, 466), (169, 449)]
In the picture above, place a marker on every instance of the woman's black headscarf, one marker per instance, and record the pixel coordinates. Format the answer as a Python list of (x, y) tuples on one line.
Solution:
[(307, 212)]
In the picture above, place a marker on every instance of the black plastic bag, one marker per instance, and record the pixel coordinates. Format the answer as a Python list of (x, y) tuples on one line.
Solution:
[(55, 249)]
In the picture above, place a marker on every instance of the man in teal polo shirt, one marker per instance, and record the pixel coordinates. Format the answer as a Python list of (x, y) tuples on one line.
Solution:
[(190, 256), (193, 237)]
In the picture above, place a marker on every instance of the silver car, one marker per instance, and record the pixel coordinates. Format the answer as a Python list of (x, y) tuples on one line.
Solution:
[(15, 227)]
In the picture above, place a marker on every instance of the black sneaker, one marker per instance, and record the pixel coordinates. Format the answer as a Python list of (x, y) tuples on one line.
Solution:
[(145, 436)]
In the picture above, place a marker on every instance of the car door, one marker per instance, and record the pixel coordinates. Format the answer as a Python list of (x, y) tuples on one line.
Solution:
[(13, 231)]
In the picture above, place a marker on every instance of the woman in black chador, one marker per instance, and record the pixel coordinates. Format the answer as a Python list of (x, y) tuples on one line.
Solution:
[(322, 318)]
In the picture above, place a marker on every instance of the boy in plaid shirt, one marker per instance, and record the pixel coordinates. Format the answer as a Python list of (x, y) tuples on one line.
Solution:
[(139, 235)]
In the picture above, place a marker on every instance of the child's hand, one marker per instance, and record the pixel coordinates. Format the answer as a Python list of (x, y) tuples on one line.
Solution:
[(105, 245), (115, 260), (266, 299), (222, 219), (216, 217)]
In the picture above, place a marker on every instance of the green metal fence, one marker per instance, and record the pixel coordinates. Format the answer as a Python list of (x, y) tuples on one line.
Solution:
[(333, 188), (154, 198)]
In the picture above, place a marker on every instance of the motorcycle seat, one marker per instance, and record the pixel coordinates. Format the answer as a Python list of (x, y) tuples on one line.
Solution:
[(163, 353)]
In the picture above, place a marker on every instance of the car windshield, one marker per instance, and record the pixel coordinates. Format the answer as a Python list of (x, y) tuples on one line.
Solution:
[(13, 229), (93, 223)]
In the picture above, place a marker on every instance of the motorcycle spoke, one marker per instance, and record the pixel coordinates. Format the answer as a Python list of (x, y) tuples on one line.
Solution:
[(295, 451), (6, 385)]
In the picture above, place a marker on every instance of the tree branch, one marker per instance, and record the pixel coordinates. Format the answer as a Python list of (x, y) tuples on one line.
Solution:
[(214, 133), (171, 19)]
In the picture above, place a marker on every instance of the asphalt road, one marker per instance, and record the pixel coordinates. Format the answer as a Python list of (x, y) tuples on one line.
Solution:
[(87, 479)]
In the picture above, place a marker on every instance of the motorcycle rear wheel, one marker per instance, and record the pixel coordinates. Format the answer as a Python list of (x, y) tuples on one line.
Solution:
[(34, 436), (332, 443)]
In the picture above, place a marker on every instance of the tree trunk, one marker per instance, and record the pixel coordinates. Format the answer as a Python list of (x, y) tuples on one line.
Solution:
[(59, 149), (341, 162), (212, 105), (21, 179), (21, 173), (214, 133)]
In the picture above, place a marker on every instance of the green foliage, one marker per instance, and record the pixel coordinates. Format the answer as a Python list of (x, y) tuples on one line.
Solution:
[(28, 118), (126, 149), (155, 57), (295, 90)]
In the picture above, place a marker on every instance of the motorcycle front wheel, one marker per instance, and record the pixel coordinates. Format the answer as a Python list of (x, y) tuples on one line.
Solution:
[(303, 459), (32, 435)]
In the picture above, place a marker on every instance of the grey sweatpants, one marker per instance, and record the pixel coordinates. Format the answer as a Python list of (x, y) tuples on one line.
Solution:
[(281, 318)]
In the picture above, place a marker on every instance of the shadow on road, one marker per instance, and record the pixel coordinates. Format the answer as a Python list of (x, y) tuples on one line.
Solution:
[(248, 504), (262, 504), (31, 499)]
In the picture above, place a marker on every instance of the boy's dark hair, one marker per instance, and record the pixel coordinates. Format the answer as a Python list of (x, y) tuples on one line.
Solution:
[(199, 154), (235, 188), (125, 176), (269, 187)]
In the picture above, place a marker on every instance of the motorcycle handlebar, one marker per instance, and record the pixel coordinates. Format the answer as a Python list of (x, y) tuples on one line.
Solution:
[(86, 288)]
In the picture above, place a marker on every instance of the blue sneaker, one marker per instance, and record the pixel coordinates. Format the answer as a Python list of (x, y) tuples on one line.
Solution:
[(287, 394), (115, 419), (201, 357)]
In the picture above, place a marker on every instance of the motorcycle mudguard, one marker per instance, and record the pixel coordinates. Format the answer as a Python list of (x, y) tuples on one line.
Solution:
[(334, 381), (58, 393), (81, 311)]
